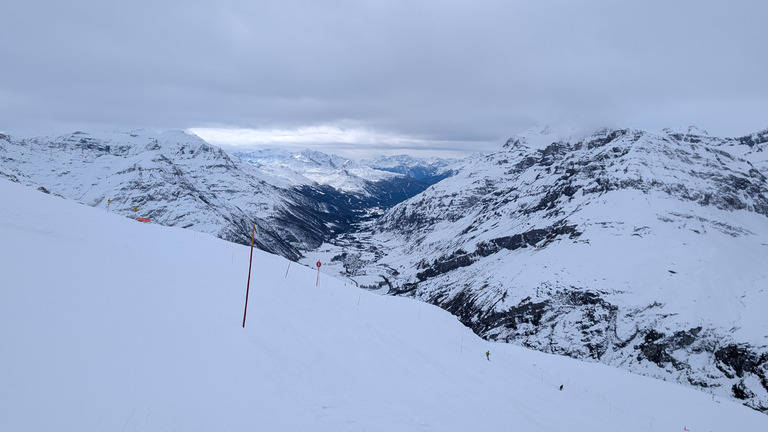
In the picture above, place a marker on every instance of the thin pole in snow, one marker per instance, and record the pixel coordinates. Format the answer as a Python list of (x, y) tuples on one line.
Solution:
[(296, 254), (248, 285)]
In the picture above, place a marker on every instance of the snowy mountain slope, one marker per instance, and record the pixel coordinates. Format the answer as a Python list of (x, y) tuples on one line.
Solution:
[(369, 189), (308, 166), (639, 250), (110, 324), (429, 171), (177, 179)]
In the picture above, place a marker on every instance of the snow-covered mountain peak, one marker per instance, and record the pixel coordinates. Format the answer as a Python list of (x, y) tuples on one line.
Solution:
[(316, 159), (685, 130), (177, 179), (428, 170), (309, 167), (757, 142), (542, 135), (174, 179), (395, 161), (122, 143)]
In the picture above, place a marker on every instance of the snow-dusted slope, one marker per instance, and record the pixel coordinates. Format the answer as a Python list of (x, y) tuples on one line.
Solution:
[(641, 250), (177, 179), (111, 324), (430, 170), (359, 187), (172, 178), (307, 167)]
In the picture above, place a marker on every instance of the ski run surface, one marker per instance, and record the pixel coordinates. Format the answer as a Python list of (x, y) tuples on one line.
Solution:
[(108, 324)]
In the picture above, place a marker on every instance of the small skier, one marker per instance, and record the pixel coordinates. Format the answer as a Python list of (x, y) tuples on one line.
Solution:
[(488, 355), (561, 387)]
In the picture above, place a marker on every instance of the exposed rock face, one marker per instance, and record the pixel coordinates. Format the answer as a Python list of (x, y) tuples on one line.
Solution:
[(634, 249), (460, 258)]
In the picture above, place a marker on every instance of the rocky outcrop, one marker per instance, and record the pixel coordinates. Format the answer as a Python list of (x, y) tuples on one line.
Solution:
[(460, 258)]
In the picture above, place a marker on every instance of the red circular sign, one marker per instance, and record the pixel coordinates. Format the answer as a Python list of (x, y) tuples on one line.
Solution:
[(318, 264)]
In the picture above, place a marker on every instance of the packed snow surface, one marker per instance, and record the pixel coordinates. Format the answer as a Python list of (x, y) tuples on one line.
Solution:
[(109, 324)]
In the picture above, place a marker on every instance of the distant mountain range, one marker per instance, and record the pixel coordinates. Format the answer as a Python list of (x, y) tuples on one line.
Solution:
[(429, 171), (637, 249), (297, 201)]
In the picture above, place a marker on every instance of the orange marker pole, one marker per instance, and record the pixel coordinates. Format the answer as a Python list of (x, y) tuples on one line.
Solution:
[(248, 285)]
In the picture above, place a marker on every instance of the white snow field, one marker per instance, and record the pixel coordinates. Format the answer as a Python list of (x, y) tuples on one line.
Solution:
[(108, 324)]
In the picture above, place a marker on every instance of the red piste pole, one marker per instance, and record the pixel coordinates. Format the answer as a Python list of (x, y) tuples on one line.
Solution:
[(248, 285)]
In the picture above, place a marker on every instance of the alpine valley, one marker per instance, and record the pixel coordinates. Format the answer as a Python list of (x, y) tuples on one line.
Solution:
[(641, 250), (177, 179)]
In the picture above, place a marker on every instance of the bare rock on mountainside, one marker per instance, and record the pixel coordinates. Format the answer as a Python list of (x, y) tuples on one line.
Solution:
[(640, 250)]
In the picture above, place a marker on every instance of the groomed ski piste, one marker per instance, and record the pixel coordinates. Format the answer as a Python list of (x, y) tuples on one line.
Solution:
[(109, 324)]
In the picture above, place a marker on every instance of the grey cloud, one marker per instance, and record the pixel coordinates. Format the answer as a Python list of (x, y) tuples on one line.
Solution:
[(442, 71)]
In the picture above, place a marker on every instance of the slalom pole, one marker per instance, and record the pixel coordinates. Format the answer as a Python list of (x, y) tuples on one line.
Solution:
[(248, 285), (293, 249)]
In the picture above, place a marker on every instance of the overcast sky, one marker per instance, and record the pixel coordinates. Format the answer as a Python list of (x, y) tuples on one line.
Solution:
[(382, 76)]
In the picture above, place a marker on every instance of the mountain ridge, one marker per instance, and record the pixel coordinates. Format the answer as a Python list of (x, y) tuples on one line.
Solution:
[(177, 179), (505, 244)]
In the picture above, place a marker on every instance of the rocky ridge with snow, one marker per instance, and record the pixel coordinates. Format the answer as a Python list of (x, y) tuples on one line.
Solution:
[(373, 189), (177, 179), (640, 250), (430, 170), (308, 166)]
